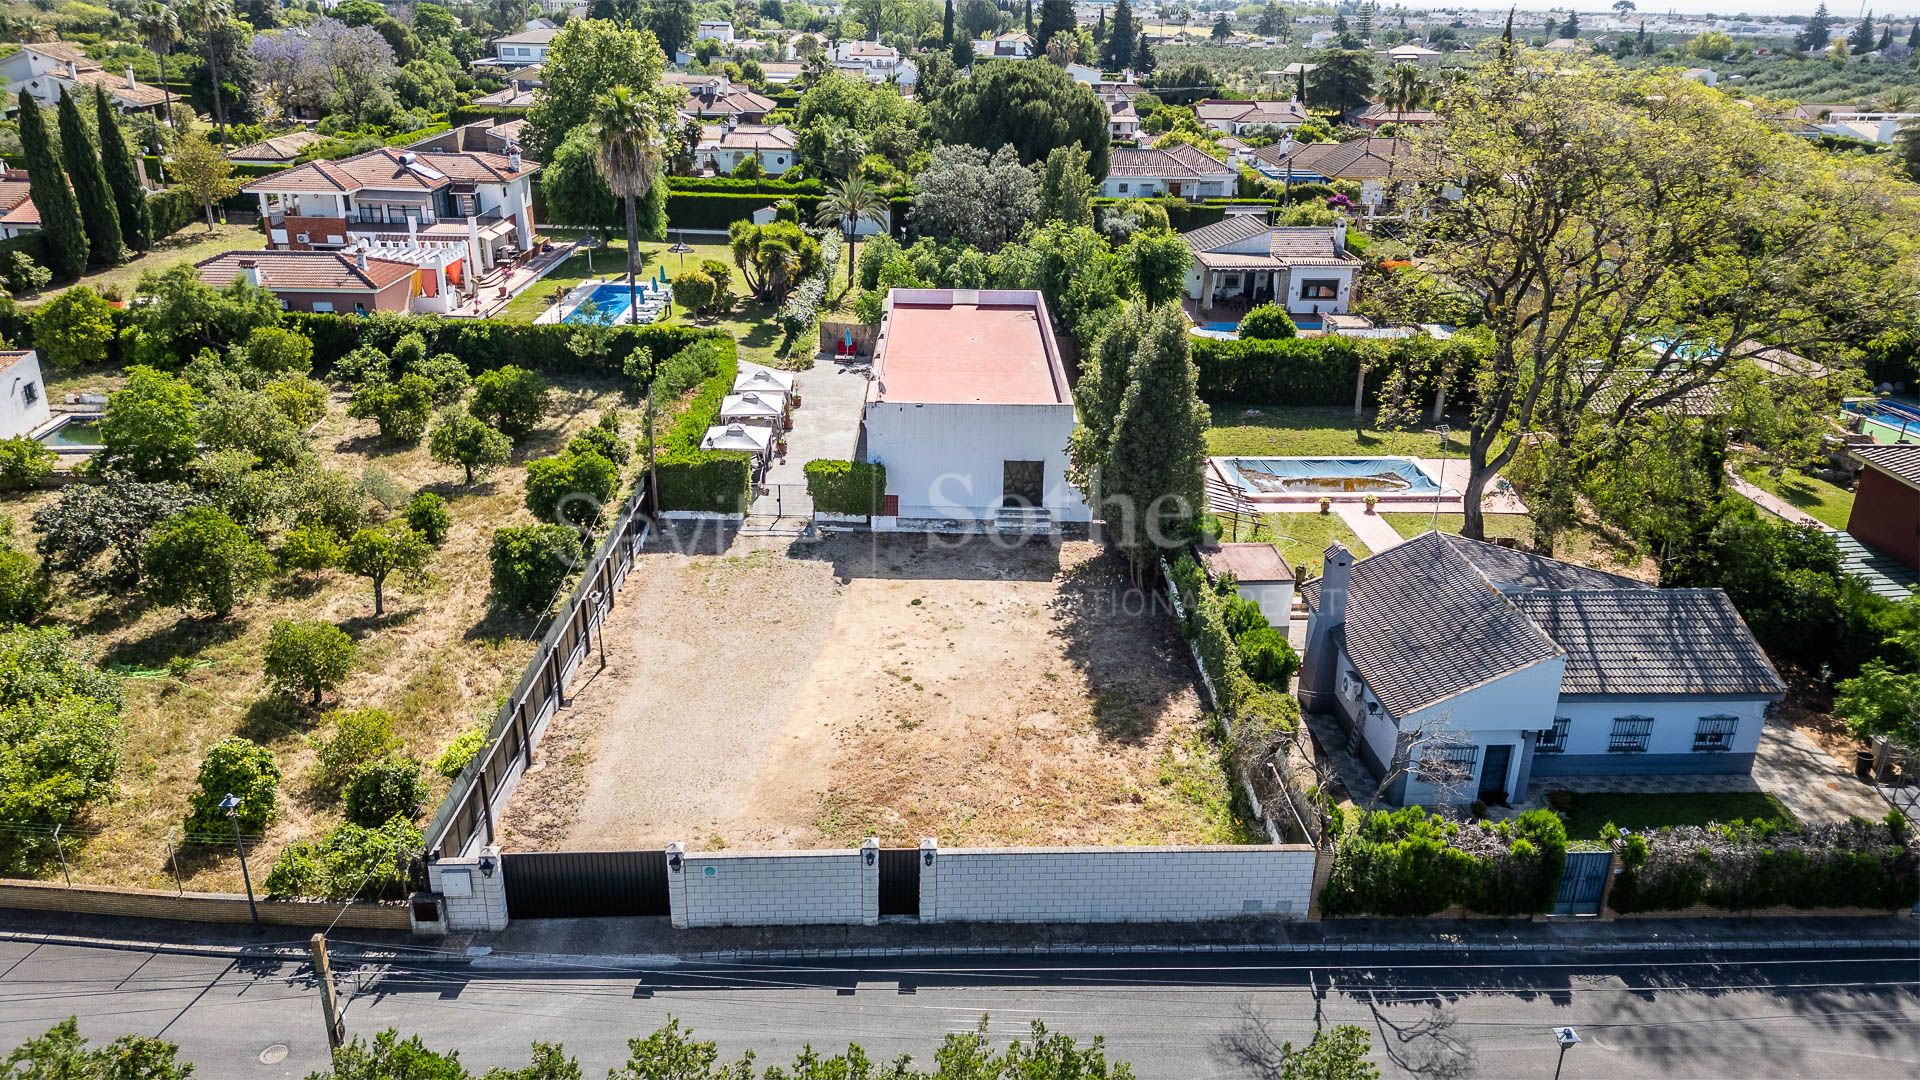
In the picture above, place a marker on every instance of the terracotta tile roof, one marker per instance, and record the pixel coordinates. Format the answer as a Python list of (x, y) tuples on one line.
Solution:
[(1240, 111), (10, 357), (1180, 162), (15, 191), (302, 271), (278, 148), (1355, 159), (747, 137), (138, 94), (391, 169), (65, 52)]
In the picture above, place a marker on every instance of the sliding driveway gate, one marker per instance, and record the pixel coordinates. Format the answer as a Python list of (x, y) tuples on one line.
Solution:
[(578, 884)]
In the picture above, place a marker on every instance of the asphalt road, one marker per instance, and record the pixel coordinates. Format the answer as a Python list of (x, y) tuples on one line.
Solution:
[(1817, 1013)]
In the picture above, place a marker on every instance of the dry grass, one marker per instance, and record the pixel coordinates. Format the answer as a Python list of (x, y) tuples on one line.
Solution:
[(439, 658)]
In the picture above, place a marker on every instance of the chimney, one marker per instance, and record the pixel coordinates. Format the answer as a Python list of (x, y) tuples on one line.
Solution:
[(513, 158), (251, 268), (360, 258), (1319, 670), (130, 83)]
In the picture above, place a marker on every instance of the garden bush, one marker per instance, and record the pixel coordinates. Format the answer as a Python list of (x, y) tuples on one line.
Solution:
[(351, 862), (307, 657), (847, 487), (1319, 371), (574, 487), (427, 514), (603, 438), (460, 752), (201, 558), (510, 398), (531, 562), (1268, 657), (1743, 866), (385, 789), (74, 329), (24, 463), (1410, 863), (694, 479), (59, 738), (235, 766), (360, 737), (1268, 322)]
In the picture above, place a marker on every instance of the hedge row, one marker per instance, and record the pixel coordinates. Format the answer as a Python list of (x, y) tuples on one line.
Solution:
[(1318, 370), (1409, 863), (487, 343), (731, 185), (1217, 623), (718, 209), (716, 481), (1741, 867), (473, 114), (847, 487)]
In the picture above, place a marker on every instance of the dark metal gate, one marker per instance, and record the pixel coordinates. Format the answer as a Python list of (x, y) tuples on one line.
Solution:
[(900, 882), (579, 884), (1583, 883)]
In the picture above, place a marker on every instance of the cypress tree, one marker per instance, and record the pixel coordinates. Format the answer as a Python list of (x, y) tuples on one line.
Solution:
[(59, 215), (946, 26), (1143, 58), (90, 190), (129, 198)]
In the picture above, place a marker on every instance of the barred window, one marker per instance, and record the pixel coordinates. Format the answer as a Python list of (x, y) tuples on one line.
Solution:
[(1553, 740), (1446, 764), (1715, 733), (1630, 735)]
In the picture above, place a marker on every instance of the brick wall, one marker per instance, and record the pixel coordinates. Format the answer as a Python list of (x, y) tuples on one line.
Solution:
[(785, 889), (196, 907), (1152, 884), (475, 898)]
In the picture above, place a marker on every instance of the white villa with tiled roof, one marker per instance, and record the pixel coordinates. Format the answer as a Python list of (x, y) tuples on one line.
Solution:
[(45, 68), (1306, 269), (1233, 115), (1460, 671), (1181, 170), (723, 147)]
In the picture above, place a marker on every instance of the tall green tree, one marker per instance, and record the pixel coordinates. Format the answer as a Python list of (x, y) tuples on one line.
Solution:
[(1814, 36), (1143, 59), (205, 21), (846, 205), (1342, 80), (1056, 17), (90, 190), (672, 22), (1066, 189), (129, 198), (1861, 40), (588, 58), (1030, 107), (151, 427), (1405, 91), (946, 26), (66, 235), (159, 27), (629, 158), (1116, 53)]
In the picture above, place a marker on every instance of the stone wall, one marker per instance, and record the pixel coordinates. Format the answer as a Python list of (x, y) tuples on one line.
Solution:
[(196, 907), (1146, 884), (782, 889), (475, 890)]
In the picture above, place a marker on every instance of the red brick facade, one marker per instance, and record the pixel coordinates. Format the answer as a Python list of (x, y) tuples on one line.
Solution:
[(318, 230), (1886, 516)]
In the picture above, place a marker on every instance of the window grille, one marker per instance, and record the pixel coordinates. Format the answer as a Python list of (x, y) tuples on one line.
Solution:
[(1630, 734), (1715, 733), (1553, 740)]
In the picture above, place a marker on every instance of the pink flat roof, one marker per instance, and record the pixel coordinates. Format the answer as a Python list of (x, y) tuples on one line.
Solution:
[(992, 349)]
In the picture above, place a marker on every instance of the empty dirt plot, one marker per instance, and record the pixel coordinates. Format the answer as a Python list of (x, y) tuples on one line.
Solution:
[(795, 696)]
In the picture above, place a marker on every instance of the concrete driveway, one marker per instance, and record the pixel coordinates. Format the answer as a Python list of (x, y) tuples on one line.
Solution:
[(826, 425)]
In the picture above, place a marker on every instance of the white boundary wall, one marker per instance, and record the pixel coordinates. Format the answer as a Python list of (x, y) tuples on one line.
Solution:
[(1094, 884), (777, 889)]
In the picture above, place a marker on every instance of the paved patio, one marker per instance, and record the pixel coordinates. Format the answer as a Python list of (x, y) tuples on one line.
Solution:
[(826, 425)]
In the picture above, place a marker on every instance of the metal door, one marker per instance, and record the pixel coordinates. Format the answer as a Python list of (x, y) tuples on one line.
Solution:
[(1583, 883), (1493, 773), (579, 884), (900, 882)]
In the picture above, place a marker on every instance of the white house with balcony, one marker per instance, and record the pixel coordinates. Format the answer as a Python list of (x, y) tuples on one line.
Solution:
[(1306, 269), (477, 201), (526, 47), (874, 62), (1462, 671)]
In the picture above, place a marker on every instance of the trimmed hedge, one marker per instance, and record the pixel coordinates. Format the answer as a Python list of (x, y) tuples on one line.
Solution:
[(731, 185), (719, 209), (1741, 867), (716, 481), (487, 343), (1317, 370), (172, 209), (1409, 863), (1211, 620), (847, 487), (470, 114)]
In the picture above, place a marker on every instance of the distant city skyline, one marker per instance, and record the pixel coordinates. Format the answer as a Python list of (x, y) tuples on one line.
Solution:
[(1848, 13)]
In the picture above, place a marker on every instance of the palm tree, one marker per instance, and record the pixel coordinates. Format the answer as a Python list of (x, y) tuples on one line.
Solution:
[(629, 159), (847, 204), (1405, 91), (205, 18), (160, 31)]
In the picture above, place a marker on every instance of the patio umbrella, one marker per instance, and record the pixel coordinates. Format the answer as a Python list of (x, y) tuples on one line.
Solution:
[(753, 440)]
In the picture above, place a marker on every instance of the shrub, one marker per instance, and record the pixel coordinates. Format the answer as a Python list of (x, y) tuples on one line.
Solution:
[(531, 562), (427, 514), (511, 399), (575, 487), (311, 548), (1268, 322), (351, 862), (360, 736), (1268, 657), (460, 752), (22, 275), (24, 463), (402, 409), (277, 351), (603, 438), (462, 439), (447, 373), (1741, 867), (847, 487), (1408, 862), (74, 329), (25, 585), (694, 289), (235, 766), (201, 559), (307, 657), (385, 789), (59, 734), (694, 479)]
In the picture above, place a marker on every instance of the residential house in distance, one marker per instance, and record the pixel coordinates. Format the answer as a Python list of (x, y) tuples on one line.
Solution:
[(780, 72), (23, 393), (1410, 53), (1886, 500), (1123, 122), (1234, 116), (874, 62), (523, 49), (1014, 46), (718, 30), (1306, 269), (723, 147), (1379, 113), (1382, 161), (714, 97), (45, 68), (1084, 73), (1180, 170), (1461, 671), (347, 282), (970, 411), (277, 151), (516, 94), (18, 215), (477, 203)]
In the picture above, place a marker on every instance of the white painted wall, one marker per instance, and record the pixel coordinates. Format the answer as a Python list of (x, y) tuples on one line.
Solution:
[(945, 461), (1150, 884), (1501, 711), (1133, 187), (785, 889), (1674, 723), (1274, 597), (24, 406)]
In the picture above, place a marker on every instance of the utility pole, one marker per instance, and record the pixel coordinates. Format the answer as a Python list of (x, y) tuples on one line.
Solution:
[(329, 994)]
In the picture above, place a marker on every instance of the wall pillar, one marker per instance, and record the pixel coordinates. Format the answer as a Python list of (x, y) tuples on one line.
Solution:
[(929, 880), (475, 889), (1206, 289), (677, 884), (869, 882), (1322, 873)]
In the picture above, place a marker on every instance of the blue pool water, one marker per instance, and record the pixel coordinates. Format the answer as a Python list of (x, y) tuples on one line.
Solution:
[(1331, 476), (609, 305), (1300, 322), (1220, 327)]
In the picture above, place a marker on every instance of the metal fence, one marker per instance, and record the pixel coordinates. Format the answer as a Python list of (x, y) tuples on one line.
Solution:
[(467, 816)]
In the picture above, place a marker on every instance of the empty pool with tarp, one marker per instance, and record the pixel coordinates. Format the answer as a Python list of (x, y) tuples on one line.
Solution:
[(1350, 478)]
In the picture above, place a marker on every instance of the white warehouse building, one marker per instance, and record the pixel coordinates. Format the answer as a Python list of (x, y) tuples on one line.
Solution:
[(969, 409)]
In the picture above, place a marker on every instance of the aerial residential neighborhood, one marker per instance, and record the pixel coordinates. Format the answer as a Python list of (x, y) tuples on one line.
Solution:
[(959, 539)]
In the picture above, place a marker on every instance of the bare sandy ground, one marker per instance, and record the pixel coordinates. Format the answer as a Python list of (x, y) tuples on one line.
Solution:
[(893, 687)]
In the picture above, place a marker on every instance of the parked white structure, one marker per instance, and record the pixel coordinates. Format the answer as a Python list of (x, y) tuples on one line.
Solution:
[(969, 408), (1462, 670), (24, 407), (1306, 269)]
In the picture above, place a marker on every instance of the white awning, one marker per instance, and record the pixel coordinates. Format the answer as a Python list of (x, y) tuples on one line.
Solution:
[(766, 380), (753, 440), (752, 405)]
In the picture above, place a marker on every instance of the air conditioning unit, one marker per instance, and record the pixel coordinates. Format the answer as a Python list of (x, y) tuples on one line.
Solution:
[(1349, 687), (301, 238)]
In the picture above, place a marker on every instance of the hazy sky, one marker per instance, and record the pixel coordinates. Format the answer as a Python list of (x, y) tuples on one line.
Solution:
[(1842, 9)]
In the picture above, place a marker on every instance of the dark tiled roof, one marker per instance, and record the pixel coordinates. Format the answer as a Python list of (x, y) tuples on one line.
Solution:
[(1423, 626), (1900, 461), (295, 271), (1516, 569), (1179, 161), (1228, 230), (1355, 159), (1651, 641)]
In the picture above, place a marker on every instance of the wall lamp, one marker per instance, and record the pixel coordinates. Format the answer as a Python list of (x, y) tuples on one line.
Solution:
[(673, 861), (487, 864)]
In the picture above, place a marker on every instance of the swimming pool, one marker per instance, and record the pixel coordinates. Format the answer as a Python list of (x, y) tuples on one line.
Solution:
[(1232, 326), (76, 432), (604, 305), (1331, 476)]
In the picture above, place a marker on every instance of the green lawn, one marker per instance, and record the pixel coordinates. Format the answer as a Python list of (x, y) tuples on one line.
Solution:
[(1584, 543), (1809, 494), (1410, 525), (1641, 813), (1305, 431), (750, 322), (189, 245), (1303, 537)]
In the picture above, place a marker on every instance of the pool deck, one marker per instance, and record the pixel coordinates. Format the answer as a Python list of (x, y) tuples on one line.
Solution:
[(1451, 473)]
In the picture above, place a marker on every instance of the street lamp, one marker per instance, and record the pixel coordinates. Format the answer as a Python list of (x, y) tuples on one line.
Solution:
[(231, 804), (1568, 1039)]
